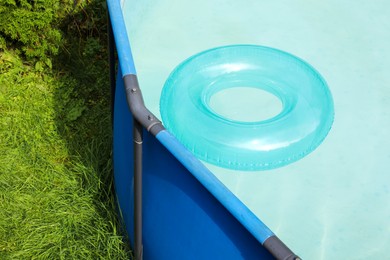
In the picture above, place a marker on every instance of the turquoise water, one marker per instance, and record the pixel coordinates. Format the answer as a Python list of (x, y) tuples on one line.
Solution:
[(334, 203)]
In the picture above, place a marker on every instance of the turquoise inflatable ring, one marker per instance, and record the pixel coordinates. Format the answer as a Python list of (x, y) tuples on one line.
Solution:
[(304, 121)]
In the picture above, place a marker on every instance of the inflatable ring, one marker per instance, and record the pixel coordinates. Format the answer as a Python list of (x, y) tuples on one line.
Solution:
[(305, 118)]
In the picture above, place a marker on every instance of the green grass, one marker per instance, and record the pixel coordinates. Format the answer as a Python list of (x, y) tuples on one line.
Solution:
[(56, 191)]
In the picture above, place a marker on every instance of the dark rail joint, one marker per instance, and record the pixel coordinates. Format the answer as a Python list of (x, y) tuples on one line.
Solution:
[(279, 250), (137, 107)]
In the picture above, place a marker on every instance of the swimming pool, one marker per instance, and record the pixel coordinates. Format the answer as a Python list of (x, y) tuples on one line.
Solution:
[(334, 203)]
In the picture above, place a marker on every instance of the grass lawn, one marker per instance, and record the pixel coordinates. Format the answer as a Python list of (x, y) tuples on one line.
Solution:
[(56, 191)]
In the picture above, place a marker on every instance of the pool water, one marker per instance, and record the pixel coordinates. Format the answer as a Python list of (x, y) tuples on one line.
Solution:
[(335, 202)]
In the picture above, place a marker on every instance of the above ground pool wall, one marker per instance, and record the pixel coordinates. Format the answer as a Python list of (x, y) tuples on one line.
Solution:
[(187, 212)]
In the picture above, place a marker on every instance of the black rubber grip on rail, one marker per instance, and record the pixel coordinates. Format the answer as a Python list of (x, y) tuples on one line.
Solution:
[(279, 250)]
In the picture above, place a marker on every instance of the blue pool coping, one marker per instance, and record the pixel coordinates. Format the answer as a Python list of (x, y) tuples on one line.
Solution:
[(246, 217)]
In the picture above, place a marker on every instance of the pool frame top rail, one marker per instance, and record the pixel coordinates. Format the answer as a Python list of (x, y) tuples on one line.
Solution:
[(143, 118)]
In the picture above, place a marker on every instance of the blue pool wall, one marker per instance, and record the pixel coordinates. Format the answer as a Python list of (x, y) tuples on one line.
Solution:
[(187, 212)]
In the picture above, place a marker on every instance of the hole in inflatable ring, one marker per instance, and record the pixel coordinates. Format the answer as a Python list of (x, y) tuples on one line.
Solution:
[(245, 104)]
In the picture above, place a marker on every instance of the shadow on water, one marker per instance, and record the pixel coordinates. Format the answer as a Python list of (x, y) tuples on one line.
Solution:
[(82, 105)]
